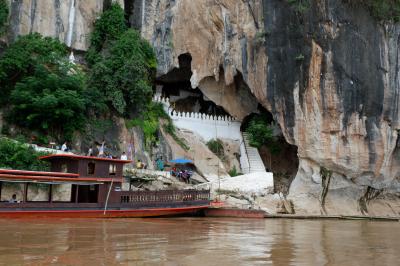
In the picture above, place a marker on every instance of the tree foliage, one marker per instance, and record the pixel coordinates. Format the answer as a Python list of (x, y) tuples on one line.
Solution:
[(109, 27), (149, 122), (259, 131), (43, 90), (15, 155), (21, 58), (123, 64), (3, 14), (300, 6)]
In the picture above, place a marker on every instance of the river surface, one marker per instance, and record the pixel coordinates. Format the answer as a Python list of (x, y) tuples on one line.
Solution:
[(198, 241)]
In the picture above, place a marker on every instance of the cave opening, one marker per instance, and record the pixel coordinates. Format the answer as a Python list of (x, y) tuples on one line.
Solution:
[(129, 8), (176, 86), (278, 156)]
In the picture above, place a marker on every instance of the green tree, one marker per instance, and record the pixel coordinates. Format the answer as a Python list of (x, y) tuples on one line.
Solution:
[(124, 74), (109, 27), (15, 155), (21, 58), (43, 90), (259, 131)]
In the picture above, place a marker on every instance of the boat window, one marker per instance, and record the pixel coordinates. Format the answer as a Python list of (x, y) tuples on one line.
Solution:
[(112, 169), (64, 168), (8, 189), (38, 192), (91, 168), (61, 192)]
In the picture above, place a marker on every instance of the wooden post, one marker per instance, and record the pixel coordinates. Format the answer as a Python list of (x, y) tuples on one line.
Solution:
[(50, 193), (76, 194), (25, 196)]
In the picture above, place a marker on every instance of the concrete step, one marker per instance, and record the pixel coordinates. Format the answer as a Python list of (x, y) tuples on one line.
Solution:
[(253, 157)]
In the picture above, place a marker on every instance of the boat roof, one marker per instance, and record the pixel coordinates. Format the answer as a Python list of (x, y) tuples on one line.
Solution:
[(81, 157), (36, 173), (55, 179)]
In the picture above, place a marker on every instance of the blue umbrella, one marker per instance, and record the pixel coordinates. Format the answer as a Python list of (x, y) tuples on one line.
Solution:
[(181, 161)]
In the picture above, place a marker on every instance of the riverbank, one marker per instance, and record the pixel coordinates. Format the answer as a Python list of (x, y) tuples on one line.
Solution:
[(331, 217), (252, 213)]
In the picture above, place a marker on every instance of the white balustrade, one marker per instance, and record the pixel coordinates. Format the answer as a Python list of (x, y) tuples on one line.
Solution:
[(207, 126)]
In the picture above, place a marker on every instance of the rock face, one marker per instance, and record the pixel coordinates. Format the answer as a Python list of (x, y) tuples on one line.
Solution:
[(71, 21), (223, 40), (345, 110), (329, 74)]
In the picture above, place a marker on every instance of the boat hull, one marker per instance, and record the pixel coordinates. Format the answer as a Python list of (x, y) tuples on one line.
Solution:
[(90, 213), (234, 213)]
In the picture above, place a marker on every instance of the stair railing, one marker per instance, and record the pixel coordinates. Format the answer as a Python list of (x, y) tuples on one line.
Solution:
[(246, 151)]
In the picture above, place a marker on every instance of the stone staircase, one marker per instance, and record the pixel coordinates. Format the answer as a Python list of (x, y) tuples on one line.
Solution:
[(254, 162)]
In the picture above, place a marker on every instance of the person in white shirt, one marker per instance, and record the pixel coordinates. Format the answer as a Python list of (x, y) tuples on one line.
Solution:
[(124, 157), (64, 147)]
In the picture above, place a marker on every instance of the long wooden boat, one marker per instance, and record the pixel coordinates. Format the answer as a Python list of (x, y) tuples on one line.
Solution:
[(88, 187)]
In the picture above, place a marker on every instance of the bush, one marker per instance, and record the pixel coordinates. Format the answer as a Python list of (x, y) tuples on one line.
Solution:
[(233, 172), (14, 155), (217, 147), (149, 122), (259, 131)]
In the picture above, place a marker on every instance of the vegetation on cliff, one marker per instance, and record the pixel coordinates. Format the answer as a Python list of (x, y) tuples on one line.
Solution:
[(109, 27), (46, 96), (383, 10), (43, 91), (260, 133), (122, 64), (3, 15), (15, 155), (217, 147), (123, 74)]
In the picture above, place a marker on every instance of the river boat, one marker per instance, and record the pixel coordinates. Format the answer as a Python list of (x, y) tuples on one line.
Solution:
[(88, 187)]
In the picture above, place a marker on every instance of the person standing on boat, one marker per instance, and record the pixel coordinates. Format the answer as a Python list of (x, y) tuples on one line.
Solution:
[(64, 147), (101, 149), (123, 156), (90, 151)]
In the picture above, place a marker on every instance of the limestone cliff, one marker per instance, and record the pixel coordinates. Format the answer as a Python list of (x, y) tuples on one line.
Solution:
[(70, 21), (329, 75)]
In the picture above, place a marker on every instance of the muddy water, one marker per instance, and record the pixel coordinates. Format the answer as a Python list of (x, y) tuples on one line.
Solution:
[(198, 241)]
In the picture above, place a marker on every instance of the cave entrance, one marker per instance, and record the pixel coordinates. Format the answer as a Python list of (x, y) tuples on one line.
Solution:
[(279, 157), (176, 86)]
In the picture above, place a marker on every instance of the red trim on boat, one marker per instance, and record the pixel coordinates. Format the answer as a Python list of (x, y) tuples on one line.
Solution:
[(77, 157), (100, 213), (23, 172)]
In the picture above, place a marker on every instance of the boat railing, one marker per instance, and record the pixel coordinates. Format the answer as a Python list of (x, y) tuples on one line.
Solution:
[(164, 196)]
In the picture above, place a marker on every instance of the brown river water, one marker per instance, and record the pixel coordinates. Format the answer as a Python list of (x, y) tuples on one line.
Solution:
[(198, 241)]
